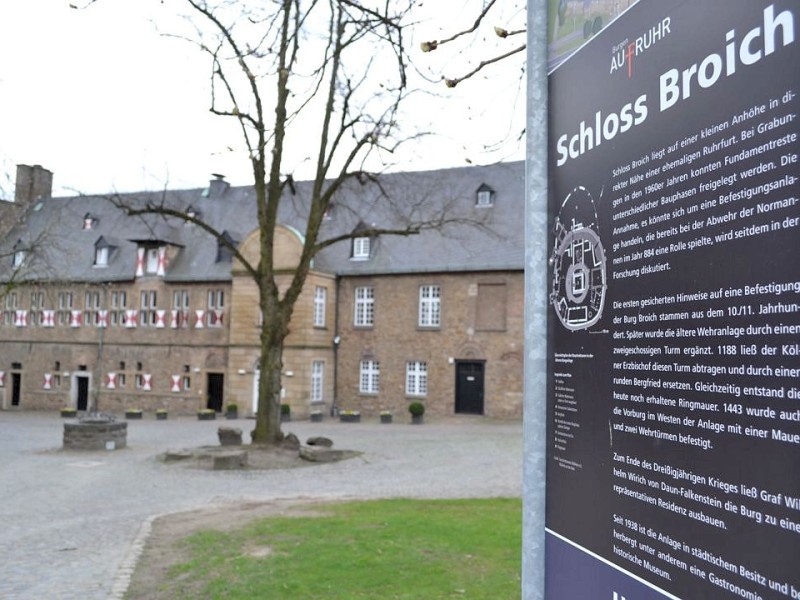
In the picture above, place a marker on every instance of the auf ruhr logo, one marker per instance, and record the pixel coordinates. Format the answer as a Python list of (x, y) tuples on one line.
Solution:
[(617, 596), (624, 53)]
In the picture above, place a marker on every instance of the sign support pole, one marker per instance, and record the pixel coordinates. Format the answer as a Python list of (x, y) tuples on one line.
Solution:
[(536, 232)]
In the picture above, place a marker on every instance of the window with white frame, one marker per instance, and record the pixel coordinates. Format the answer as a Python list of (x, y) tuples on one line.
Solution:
[(320, 296), (416, 378), (18, 259), (101, 256), (64, 307), (180, 304), (369, 377), (364, 307), (151, 260), (119, 303), (9, 315), (216, 304), (361, 248), (37, 306), (317, 380), (485, 196), (430, 307), (91, 308), (147, 308)]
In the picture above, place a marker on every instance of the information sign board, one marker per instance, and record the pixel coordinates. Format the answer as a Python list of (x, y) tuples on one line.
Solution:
[(674, 305)]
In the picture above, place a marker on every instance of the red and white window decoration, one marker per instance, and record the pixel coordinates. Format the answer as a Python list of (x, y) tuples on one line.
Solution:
[(161, 264), (176, 383), (180, 309), (21, 318), (48, 318), (147, 384), (216, 307), (140, 261), (48, 381), (151, 261), (111, 381), (75, 318)]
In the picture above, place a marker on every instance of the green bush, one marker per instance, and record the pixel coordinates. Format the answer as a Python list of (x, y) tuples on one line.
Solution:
[(417, 409), (286, 409)]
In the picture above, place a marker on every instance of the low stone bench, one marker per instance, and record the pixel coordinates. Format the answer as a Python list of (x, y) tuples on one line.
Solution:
[(230, 461)]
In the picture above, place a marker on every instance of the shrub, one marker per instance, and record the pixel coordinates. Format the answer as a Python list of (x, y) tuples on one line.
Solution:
[(286, 409), (417, 409)]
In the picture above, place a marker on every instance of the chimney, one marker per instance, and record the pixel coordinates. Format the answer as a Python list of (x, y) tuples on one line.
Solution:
[(217, 186), (32, 184)]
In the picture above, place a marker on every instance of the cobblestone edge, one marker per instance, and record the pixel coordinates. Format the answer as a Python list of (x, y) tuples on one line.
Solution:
[(122, 580)]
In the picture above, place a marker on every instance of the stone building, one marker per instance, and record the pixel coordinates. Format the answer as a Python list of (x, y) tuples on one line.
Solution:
[(108, 311)]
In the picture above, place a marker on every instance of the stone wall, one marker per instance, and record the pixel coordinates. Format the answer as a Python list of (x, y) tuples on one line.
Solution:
[(473, 328), (95, 436)]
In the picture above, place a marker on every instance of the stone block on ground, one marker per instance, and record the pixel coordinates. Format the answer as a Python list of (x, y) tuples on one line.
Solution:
[(321, 454), (176, 455), (290, 442), (320, 441), (230, 461), (229, 436)]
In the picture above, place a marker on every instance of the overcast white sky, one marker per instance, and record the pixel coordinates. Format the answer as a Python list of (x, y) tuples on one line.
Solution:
[(101, 99)]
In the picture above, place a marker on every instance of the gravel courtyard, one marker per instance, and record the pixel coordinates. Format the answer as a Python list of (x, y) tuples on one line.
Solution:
[(74, 522)]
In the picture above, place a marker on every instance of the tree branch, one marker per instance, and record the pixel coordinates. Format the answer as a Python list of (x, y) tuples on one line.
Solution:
[(451, 83)]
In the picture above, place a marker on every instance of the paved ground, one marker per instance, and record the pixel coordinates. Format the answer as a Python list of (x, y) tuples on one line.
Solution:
[(70, 522)]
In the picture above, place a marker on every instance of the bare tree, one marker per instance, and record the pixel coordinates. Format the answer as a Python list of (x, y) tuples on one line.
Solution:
[(340, 64)]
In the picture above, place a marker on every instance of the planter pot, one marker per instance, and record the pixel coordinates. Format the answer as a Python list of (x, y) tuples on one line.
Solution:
[(209, 416), (286, 418), (232, 414), (161, 416), (349, 418), (416, 419), (133, 415), (69, 413), (386, 418), (316, 417)]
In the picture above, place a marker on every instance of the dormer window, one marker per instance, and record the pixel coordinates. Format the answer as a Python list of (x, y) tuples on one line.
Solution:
[(361, 247), (89, 222), (192, 213), (101, 256), (484, 196), (19, 255), (102, 252), (224, 251)]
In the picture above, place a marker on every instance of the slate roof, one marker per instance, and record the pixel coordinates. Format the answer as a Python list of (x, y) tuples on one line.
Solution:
[(475, 238)]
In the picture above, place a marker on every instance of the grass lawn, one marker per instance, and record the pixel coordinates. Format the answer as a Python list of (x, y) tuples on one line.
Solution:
[(388, 549)]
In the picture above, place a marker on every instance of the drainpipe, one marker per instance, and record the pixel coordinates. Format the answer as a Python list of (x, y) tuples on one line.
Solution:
[(97, 372), (336, 340)]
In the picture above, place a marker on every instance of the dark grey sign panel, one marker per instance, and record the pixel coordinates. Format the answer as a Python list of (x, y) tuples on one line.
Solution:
[(674, 328)]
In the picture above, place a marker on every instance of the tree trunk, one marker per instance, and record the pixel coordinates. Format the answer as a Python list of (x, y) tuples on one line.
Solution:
[(268, 416)]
